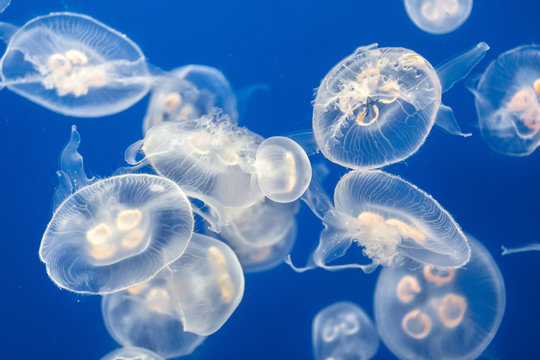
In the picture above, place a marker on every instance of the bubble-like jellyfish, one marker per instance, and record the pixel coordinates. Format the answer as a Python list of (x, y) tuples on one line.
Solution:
[(261, 235), (283, 169), (343, 331), (132, 353), (390, 218), (507, 98), (114, 233), (524, 248), (190, 92), (438, 16), (74, 65), (422, 312), (377, 106)]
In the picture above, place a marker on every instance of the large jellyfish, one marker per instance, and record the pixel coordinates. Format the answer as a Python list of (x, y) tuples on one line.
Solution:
[(114, 233), (132, 353), (438, 16), (422, 312), (508, 101), (343, 331), (377, 106), (390, 219), (190, 92), (74, 65)]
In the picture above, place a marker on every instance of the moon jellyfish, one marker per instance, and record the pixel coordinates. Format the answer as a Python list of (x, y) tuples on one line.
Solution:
[(390, 219), (507, 98), (4, 4), (283, 169), (132, 353), (377, 106), (114, 233), (438, 16), (422, 312), (343, 331), (190, 92), (74, 65), (524, 248)]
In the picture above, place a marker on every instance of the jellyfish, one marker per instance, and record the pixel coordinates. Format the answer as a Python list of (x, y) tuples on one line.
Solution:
[(424, 312), (110, 234), (438, 16), (343, 331), (390, 218), (4, 4), (377, 106), (190, 92), (507, 99), (74, 65), (132, 353), (524, 248)]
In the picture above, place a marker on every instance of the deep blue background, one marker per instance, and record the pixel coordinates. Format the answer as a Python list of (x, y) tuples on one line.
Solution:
[(289, 45)]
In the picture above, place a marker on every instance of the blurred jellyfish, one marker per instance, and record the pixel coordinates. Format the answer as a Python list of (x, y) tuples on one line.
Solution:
[(4, 4), (438, 16), (426, 313), (390, 219), (132, 353), (74, 65), (377, 106), (190, 92), (507, 98), (343, 331), (114, 233), (530, 247)]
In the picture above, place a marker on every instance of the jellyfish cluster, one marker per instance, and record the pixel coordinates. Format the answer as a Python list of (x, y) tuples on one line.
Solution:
[(167, 239)]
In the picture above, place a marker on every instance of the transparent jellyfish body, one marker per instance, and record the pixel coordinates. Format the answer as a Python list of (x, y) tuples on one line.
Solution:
[(524, 248), (74, 65), (111, 234), (261, 235), (190, 92), (438, 16), (422, 312), (507, 98), (390, 219), (132, 353), (343, 331), (377, 106), (4, 4), (283, 169)]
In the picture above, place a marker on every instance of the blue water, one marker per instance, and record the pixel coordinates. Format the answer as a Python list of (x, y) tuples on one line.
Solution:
[(289, 45)]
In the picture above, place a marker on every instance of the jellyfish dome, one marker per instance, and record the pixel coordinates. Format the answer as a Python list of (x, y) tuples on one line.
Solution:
[(423, 312), (132, 353), (74, 65), (438, 16), (343, 331), (507, 99)]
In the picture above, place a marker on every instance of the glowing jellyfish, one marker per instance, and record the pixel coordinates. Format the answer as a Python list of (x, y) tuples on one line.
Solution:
[(283, 169), (74, 65), (426, 313), (438, 16), (508, 101), (530, 247), (190, 92), (377, 106), (132, 353), (343, 331), (390, 219), (114, 233), (4, 4)]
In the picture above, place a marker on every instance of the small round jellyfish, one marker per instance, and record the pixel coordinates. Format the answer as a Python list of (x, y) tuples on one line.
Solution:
[(507, 98), (422, 312), (377, 106), (438, 16), (75, 65), (132, 353), (190, 92), (343, 331), (283, 169)]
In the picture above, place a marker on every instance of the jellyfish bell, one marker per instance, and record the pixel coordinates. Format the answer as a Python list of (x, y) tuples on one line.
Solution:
[(423, 312), (132, 353), (74, 65), (377, 106), (438, 16)]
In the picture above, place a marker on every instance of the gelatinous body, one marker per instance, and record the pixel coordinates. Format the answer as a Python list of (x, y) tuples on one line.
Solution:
[(132, 353), (438, 16), (343, 331), (422, 312), (507, 98), (4, 4), (75, 65)]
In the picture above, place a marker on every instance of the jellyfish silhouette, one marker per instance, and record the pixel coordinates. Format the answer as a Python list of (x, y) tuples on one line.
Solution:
[(438, 16), (132, 353)]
